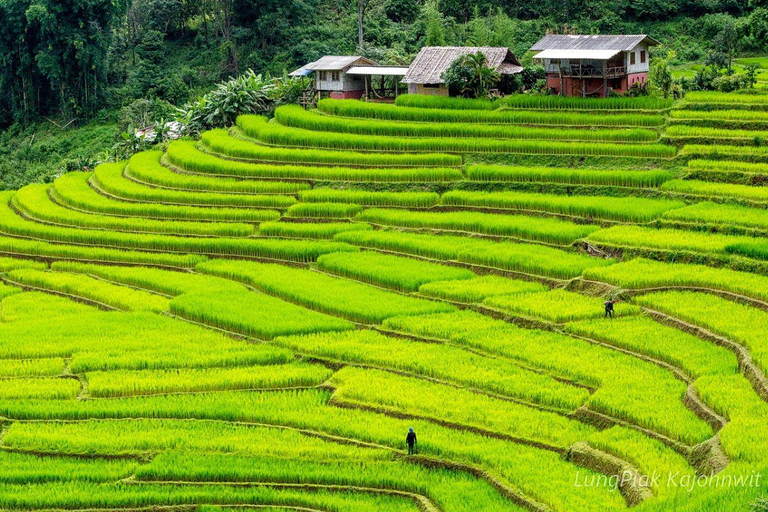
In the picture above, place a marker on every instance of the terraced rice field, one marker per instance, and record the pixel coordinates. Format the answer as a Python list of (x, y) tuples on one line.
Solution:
[(255, 319)]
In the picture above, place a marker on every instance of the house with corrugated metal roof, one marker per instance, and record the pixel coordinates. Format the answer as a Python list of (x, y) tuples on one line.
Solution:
[(594, 65), (347, 76), (425, 75)]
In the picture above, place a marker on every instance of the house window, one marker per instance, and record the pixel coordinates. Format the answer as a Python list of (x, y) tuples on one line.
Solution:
[(431, 86), (632, 59), (335, 76), (321, 75), (642, 56)]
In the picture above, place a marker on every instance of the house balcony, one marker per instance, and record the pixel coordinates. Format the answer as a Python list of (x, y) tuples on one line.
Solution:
[(592, 72)]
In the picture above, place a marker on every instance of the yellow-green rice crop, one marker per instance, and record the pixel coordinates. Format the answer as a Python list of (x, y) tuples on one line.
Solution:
[(666, 239), (478, 288), (188, 157), (368, 198), (337, 296), (72, 190), (8, 264), (31, 306), (49, 367), (161, 281), (724, 215), (740, 323), (297, 117), (555, 305), (143, 167), (427, 399), (617, 376), (724, 97), (49, 389), (294, 250), (273, 133), (631, 209), (110, 179), (384, 111), (574, 176), (643, 273), (516, 257), (254, 314), (714, 189), (324, 210), (220, 141), (317, 230), (145, 382), (728, 166), (89, 288), (397, 272), (438, 361), (26, 469), (550, 230), (641, 334), (34, 201)]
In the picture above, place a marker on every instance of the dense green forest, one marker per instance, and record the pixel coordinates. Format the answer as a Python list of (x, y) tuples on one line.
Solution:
[(85, 63)]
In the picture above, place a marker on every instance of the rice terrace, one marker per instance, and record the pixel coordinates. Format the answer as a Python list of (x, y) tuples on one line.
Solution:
[(438, 304)]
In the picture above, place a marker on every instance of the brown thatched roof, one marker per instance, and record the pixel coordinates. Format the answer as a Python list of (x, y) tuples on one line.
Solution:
[(432, 61)]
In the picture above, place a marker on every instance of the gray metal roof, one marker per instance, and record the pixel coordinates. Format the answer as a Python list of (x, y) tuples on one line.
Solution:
[(378, 70), (432, 61), (332, 63), (619, 43)]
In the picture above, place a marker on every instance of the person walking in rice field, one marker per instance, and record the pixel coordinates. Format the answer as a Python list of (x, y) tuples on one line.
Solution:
[(609, 308), (410, 440)]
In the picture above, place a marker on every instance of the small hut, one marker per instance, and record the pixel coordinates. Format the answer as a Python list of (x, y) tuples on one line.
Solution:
[(345, 77), (425, 76), (594, 65)]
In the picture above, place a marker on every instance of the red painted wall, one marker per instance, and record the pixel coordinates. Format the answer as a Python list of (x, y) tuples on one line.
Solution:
[(593, 86), (346, 95)]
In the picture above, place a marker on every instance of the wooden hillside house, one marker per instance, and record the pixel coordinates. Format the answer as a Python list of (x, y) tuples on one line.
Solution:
[(594, 65), (425, 75), (345, 77)]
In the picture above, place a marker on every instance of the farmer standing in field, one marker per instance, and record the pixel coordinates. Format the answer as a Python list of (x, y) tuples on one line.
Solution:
[(609, 308), (410, 440)]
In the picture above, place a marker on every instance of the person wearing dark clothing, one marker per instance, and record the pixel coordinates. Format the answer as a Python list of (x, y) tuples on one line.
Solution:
[(410, 440), (609, 308)]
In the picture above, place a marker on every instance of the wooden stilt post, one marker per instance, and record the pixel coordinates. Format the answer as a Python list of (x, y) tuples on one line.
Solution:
[(365, 79), (605, 79)]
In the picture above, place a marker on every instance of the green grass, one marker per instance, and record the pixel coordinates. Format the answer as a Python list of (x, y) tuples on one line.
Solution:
[(396, 272), (555, 306), (515, 174), (550, 230), (631, 209), (295, 116), (349, 299), (384, 111), (477, 289)]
